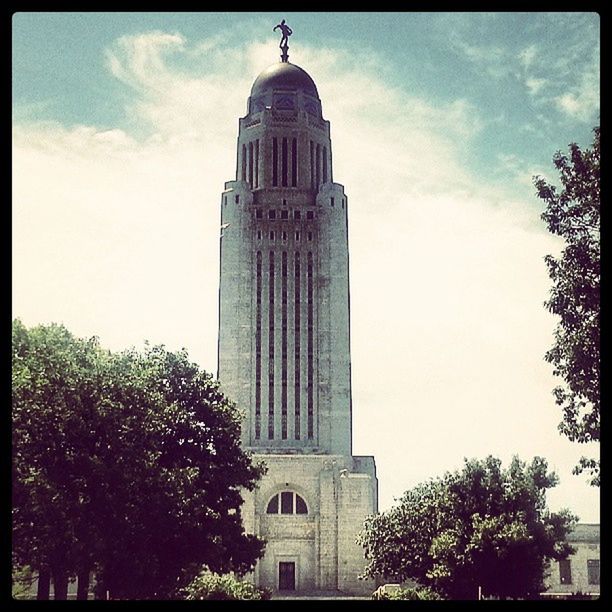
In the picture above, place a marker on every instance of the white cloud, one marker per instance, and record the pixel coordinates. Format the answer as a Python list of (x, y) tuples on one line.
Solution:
[(494, 59), (527, 55), (117, 236), (534, 85), (582, 100)]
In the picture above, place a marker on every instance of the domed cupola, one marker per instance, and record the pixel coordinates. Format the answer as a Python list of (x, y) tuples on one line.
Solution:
[(285, 76), (284, 87)]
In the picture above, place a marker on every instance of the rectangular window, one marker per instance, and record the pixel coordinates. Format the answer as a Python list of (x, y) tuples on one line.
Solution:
[(318, 166), (310, 345), (332, 201), (271, 235), (310, 214), (593, 570), (237, 199), (244, 163), (294, 164), (297, 214), (284, 345), (297, 236), (257, 163), (309, 236), (271, 214), (325, 164), (312, 165), (271, 349), (258, 349), (259, 213), (297, 323), (565, 571), (251, 163), (284, 214), (274, 162), (258, 234), (284, 162)]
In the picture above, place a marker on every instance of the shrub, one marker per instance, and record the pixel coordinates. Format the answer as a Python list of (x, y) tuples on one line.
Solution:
[(413, 593), (208, 585)]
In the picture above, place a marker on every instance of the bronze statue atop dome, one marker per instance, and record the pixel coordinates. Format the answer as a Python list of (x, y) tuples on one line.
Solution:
[(286, 32)]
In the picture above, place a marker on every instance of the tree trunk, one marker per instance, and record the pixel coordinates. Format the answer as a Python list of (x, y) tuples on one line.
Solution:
[(60, 585), (100, 587), (83, 584), (44, 583)]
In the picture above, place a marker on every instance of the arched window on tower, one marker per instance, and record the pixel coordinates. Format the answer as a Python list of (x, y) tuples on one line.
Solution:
[(287, 502)]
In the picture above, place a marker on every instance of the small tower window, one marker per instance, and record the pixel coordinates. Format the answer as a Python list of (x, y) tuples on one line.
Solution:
[(297, 214), (284, 214), (259, 213), (271, 214), (284, 235), (258, 234), (310, 214), (225, 200), (309, 235), (297, 236), (237, 199), (271, 235), (287, 502), (332, 201)]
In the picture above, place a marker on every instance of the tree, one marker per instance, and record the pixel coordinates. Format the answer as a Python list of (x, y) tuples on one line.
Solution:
[(574, 214), (479, 527), (125, 464)]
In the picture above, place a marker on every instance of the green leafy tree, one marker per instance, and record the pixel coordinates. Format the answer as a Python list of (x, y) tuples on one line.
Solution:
[(127, 464), (23, 578), (574, 214), (482, 526)]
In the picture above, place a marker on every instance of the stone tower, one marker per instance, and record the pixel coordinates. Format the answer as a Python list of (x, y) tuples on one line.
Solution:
[(284, 342)]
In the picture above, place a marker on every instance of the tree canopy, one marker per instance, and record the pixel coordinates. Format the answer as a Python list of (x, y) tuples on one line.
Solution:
[(128, 464), (483, 526), (574, 214)]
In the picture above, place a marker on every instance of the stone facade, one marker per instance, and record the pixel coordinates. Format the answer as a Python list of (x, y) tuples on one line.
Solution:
[(284, 339), (321, 543), (580, 572)]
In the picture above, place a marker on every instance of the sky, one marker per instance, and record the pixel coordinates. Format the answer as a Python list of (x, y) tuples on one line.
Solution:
[(124, 132)]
